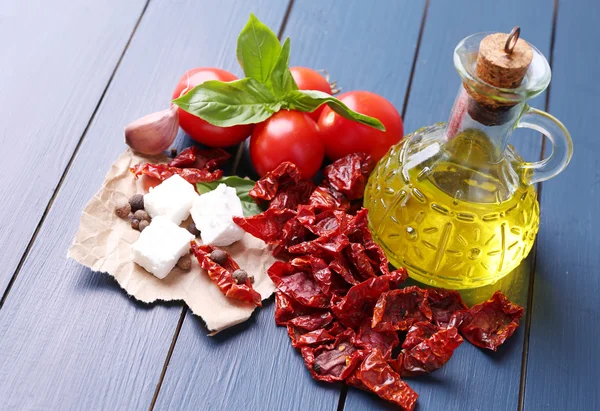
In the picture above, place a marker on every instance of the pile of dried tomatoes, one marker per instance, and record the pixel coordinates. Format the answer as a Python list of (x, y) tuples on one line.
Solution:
[(343, 307)]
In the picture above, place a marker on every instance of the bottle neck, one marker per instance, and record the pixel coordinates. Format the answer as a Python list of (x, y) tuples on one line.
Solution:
[(490, 127)]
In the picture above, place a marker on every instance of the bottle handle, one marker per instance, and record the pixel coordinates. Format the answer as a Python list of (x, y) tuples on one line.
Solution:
[(562, 146)]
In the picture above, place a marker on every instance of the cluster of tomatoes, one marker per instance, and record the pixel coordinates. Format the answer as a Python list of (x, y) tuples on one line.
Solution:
[(301, 138)]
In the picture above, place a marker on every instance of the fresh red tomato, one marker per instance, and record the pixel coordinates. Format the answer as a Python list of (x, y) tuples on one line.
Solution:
[(309, 79), (287, 136), (198, 129), (342, 137)]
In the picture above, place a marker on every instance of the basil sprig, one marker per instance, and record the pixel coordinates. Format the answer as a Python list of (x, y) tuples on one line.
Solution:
[(267, 88)]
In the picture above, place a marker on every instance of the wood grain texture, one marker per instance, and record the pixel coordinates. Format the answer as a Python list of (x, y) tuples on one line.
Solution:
[(254, 366), (57, 57), (472, 379), (70, 338), (563, 361)]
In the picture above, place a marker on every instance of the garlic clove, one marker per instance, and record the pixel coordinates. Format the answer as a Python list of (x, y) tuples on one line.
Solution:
[(153, 133)]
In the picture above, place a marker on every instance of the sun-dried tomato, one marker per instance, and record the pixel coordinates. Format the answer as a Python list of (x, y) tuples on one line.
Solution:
[(399, 309), (267, 225), (377, 376), (322, 246), (222, 275), (286, 308), (431, 351), (312, 322), (369, 339), (419, 332), (358, 232), (397, 277), (269, 185), (327, 281), (309, 339), (326, 223), (297, 284), (443, 304), (163, 171), (309, 329), (333, 362), (194, 157), (358, 303), (349, 174), (324, 198), (489, 324), (335, 328), (292, 195), (358, 256), (342, 268)]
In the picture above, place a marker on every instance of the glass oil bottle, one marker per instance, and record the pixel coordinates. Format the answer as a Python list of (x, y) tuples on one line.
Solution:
[(455, 203)]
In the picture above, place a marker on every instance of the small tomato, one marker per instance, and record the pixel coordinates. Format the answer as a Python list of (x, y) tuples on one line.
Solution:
[(287, 136)]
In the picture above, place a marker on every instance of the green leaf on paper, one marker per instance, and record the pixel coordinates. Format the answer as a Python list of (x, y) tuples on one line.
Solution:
[(258, 49), (242, 187), (281, 80), (244, 101), (310, 100)]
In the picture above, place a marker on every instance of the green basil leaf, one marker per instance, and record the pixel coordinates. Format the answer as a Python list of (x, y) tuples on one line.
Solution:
[(257, 50), (244, 101), (281, 79), (242, 187), (310, 100)]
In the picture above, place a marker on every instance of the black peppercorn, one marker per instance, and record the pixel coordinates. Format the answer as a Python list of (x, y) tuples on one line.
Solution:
[(135, 223), (240, 276), (193, 229), (136, 202), (122, 209), (218, 256), (185, 262), (141, 215)]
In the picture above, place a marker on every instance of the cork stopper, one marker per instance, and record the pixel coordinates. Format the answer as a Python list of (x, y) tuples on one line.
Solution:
[(503, 61)]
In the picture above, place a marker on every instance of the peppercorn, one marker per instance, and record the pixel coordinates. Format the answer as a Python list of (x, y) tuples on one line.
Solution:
[(173, 152), (185, 262), (122, 209), (251, 279), (136, 202), (141, 215), (193, 229), (240, 276), (143, 224), (135, 223), (218, 256)]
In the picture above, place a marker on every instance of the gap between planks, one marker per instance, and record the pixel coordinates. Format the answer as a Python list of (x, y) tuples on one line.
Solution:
[(70, 163), (184, 310), (532, 267), (344, 391)]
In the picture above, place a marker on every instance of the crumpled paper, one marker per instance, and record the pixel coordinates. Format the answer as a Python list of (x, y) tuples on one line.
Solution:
[(103, 243)]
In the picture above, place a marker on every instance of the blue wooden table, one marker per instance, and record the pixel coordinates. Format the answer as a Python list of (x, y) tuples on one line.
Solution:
[(74, 72)]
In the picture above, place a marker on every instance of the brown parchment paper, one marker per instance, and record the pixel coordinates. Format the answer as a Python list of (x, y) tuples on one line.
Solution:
[(103, 243)]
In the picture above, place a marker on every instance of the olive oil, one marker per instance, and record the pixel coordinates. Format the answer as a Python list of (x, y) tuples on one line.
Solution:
[(451, 215)]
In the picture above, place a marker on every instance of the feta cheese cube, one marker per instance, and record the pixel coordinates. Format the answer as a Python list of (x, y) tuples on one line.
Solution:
[(212, 213), (172, 198), (160, 246)]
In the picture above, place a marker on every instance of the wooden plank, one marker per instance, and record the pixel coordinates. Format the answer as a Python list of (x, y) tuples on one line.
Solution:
[(254, 366), (563, 360), (472, 379), (57, 57), (70, 338)]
